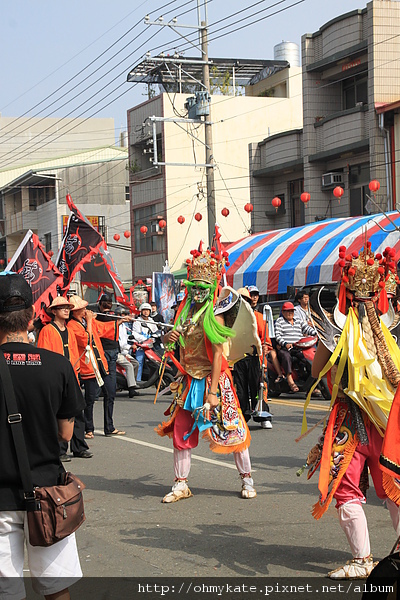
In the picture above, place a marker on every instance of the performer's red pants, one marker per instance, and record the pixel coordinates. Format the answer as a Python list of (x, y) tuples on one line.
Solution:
[(348, 489)]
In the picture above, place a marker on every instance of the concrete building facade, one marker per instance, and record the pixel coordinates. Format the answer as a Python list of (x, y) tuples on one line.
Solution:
[(351, 72), (34, 198), (169, 192)]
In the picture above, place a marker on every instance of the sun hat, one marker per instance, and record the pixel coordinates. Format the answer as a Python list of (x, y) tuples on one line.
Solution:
[(244, 292), (60, 301), (77, 303)]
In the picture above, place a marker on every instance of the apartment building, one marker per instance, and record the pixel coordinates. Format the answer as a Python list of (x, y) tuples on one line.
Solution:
[(350, 132), (257, 97)]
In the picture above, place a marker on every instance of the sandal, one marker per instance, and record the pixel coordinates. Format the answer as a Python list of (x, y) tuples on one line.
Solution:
[(115, 432), (293, 387), (89, 435), (280, 379)]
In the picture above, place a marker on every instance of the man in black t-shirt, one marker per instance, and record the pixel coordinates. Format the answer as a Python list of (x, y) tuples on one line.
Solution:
[(48, 398)]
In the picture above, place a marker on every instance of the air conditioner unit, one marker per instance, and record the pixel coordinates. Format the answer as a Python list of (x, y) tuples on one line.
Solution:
[(330, 180)]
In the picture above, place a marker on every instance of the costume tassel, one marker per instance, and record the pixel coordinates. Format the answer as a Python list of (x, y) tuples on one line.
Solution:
[(392, 490), (342, 298), (383, 303)]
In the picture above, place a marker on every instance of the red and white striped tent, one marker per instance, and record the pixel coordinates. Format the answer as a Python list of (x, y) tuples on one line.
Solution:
[(274, 260)]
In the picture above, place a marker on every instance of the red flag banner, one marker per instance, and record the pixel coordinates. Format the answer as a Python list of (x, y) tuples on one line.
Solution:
[(80, 243), (101, 271), (31, 261)]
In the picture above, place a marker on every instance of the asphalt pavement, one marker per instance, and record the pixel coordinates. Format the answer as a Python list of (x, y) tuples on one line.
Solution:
[(130, 533)]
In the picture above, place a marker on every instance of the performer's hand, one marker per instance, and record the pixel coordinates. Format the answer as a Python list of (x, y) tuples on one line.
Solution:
[(213, 401), (171, 337), (89, 315)]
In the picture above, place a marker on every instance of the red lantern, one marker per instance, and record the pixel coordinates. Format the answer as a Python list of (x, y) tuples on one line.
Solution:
[(224, 212), (117, 237), (276, 202), (305, 197), (162, 224), (338, 192), (1, 261), (181, 220), (127, 234), (51, 253), (374, 185), (143, 229), (198, 217), (9, 260), (248, 207)]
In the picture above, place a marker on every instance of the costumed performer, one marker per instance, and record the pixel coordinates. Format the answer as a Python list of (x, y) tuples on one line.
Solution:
[(359, 354), (205, 399)]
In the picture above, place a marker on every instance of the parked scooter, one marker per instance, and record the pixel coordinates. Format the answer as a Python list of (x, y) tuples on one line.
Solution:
[(153, 351), (302, 353)]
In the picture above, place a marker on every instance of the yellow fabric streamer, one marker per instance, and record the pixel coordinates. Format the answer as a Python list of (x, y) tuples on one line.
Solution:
[(367, 385)]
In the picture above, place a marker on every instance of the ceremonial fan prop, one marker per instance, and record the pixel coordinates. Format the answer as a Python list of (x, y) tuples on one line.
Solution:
[(259, 415)]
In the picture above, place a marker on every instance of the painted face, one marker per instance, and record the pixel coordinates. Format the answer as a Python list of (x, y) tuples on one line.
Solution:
[(199, 295)]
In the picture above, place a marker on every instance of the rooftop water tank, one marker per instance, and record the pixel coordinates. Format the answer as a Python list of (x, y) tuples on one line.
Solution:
[(288, 51)]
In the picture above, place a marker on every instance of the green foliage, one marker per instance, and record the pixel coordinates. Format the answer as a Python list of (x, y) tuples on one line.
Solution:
[(269, 93)]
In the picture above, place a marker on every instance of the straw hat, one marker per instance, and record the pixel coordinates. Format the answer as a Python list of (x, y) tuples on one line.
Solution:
[(60, 301), (77, 303), (244, 292)]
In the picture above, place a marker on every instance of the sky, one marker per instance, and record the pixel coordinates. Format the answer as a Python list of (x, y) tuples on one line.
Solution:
[(71, 59)]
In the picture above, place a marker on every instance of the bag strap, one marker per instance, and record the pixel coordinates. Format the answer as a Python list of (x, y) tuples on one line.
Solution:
[(15, 420)]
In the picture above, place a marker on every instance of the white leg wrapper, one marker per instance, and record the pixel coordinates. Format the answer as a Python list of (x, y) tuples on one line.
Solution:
[(354, 524), (394, 514), (182, 461), (242, 461)]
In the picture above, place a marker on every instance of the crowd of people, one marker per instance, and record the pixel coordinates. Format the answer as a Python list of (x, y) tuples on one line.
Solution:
[(219, 387)]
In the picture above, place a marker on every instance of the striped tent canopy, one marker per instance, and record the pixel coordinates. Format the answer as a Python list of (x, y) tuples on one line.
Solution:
[(274, 260)]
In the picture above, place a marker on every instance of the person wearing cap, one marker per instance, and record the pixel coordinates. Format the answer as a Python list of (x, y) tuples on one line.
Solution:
[(142, 329), (254, 295), (125, 358), (56, 337), (94, 368), (48, 399), (288, 331), (247, 371)]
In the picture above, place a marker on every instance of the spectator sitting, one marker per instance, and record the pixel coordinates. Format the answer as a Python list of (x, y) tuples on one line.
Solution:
[(142, 329), (288, 331), (302, 309), (125, 358)]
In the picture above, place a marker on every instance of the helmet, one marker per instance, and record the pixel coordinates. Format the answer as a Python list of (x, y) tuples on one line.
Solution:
[(145, 306)]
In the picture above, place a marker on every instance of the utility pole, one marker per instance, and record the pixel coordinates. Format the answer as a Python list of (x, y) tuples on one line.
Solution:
[(208, 139)]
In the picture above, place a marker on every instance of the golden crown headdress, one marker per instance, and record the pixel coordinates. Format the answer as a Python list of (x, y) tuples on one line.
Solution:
[(367, 274), (207, 265)]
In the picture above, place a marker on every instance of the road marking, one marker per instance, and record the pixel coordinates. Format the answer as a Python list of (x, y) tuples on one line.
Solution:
[(211, 461), (299, 404)]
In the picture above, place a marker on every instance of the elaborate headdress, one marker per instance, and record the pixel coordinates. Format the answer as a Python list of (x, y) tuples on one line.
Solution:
[(207, 265), (368, 275), (204, 270)]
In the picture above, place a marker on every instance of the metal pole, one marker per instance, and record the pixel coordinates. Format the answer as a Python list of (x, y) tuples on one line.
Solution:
[(208, 139)]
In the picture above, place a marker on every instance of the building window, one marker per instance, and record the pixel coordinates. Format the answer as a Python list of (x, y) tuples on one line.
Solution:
[(355, 92), (153, 241), (296, 206), (47, 242), (359, 177), (127, 195)]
